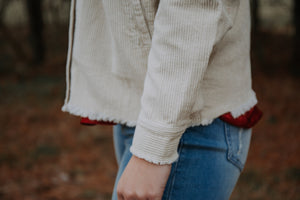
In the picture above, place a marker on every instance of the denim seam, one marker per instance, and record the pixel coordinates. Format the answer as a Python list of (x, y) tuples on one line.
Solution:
[(170, 188), (230, 155)]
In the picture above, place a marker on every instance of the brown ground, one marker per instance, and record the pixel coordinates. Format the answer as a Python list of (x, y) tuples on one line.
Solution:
[(47, 154)]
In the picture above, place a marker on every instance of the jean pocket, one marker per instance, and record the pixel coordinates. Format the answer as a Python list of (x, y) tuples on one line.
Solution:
[(238, 142)]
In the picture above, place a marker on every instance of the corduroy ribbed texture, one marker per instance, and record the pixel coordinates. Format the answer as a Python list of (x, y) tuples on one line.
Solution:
[(161, 66)]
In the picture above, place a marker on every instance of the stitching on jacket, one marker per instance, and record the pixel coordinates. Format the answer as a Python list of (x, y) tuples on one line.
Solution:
[(139, 29), (71, 46)]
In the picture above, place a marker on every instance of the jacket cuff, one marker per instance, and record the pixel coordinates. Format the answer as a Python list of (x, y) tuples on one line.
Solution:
[(158, 147)]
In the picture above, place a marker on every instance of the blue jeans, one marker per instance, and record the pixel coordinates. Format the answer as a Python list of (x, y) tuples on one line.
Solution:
[(210, 161)]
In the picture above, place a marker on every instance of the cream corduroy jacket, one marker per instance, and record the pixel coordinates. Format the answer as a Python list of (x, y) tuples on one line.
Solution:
[(161, 66)]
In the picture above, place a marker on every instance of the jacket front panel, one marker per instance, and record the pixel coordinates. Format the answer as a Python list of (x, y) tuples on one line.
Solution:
[(161, 66)]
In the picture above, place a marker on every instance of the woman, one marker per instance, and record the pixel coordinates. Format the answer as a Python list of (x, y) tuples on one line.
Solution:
[(175, 76)]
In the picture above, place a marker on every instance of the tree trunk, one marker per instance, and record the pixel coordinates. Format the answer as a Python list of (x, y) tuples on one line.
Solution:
[(296, 55), (254, 16), (34, 8)]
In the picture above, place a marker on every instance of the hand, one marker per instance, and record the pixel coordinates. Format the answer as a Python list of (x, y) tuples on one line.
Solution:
[(143, 180)]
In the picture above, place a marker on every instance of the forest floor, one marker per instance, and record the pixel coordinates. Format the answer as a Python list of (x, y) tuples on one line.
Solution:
[(47, 154)]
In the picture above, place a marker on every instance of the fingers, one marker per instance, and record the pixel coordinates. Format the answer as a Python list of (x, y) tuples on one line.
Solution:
[(134, 196), (142, 180)]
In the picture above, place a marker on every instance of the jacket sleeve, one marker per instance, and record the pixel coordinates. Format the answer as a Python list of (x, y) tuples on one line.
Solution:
[(185, 32)]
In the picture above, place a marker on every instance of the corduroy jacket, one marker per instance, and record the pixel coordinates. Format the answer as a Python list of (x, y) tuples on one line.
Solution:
[(161, 66)]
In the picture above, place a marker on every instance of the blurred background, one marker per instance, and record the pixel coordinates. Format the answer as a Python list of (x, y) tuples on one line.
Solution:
[(47, 154)]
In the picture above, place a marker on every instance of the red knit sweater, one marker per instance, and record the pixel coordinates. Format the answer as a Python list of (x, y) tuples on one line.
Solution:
[(247, 120)]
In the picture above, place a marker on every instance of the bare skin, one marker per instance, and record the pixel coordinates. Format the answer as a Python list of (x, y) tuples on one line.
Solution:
[(142, 180)]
